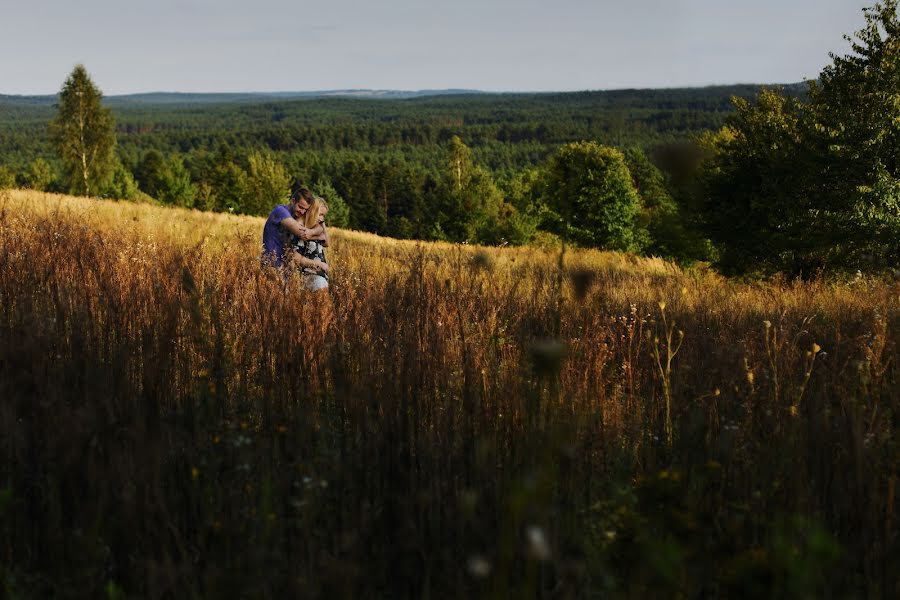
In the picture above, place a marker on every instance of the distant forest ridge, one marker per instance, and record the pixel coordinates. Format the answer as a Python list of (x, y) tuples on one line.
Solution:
[(713, 91)]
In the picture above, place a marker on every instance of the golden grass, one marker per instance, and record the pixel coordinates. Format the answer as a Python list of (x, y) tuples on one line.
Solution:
[(515, 409)]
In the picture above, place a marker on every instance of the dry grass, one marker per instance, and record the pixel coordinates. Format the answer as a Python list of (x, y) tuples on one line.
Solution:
[(448, 421)]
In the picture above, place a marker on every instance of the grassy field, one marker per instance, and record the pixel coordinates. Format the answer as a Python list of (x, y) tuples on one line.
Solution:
[(447, 421)]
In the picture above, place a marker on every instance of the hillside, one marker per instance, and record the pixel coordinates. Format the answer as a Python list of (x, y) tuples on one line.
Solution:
[(446, 420)]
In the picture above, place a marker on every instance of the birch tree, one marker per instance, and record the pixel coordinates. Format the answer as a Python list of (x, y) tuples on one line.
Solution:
[(84, 134)]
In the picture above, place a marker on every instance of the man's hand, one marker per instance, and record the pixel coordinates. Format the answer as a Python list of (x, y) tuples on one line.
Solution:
[(312, 233)]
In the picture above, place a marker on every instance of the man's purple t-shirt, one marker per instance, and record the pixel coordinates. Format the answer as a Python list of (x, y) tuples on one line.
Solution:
[(275, 238)]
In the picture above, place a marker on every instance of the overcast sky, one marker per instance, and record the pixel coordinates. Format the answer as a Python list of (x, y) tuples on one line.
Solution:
[(503, 45)]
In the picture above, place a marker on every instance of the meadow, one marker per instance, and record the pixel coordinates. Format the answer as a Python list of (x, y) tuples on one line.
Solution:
[(448, 421)]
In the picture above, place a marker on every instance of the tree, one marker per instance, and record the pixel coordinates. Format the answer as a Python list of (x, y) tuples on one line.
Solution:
[(7, 178), (591, 198), (757, 206), (84, 134), (120, 185), (854, 133), (150, 172), (39, 176), (659, 213), (176, 186), (228, 182), (338, 211), (267, 184), (799, 186), (466, 197)]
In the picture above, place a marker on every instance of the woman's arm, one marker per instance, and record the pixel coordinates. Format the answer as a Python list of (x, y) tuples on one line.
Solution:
[(312, 263)]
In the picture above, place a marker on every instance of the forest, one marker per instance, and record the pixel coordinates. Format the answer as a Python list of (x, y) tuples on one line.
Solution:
[(387, 159)]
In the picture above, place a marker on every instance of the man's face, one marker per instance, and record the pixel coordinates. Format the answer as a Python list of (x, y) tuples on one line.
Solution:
[(299, 208)]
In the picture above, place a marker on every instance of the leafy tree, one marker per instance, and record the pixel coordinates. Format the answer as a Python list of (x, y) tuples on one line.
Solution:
[(177, 187), (84, 134), (338, 211), (757, 207), (659, 212), (467, 199), (39, 176), (591, 197), (7, 178), (798, 185), (166, 179), (121, 185), (267, 184), (229, 185), (854, 133), (150, 172), (356, 183)]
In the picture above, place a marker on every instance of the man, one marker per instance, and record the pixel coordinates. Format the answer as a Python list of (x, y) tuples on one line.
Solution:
[(285, 221)]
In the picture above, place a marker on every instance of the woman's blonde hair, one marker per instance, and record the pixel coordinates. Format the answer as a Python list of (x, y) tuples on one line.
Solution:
[(312, 213)]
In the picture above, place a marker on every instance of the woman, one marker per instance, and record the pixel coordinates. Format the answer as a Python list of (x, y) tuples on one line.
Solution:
[(313, 266)]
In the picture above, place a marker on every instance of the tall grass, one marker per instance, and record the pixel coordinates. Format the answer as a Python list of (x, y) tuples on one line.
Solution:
[(446, 422)]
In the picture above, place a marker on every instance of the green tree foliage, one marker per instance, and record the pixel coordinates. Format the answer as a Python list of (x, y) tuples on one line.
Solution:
[(229, 185), (177, 187), (854, 134), (84, 134), (267, 184), (150, 172), (659, 212), (166, 179), (800, 185), (39, 176), (757, 210), (120, 185), (7, 178), (591, 197), (338, 211), (467, 199)]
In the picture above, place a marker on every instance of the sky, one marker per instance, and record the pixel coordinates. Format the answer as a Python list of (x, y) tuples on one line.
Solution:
[(494, 45)]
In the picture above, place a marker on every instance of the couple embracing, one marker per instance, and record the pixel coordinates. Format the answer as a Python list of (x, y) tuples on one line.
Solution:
[(295, 238)]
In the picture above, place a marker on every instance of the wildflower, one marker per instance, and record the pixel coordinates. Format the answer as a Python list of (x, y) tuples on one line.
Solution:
[(538, 548), (195, 473), (478, 566)]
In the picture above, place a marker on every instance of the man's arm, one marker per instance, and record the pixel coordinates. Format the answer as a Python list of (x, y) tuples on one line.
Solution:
[(293, 225)]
